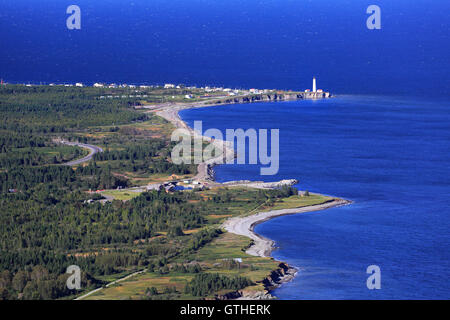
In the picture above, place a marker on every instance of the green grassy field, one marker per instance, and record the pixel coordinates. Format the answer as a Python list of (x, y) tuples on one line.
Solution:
[(298, 201), (122, 195)]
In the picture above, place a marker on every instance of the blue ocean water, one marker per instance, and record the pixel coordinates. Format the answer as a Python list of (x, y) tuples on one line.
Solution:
[(391, 156)]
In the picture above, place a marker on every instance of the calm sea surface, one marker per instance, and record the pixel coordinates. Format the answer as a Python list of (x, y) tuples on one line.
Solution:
[(391, 156)]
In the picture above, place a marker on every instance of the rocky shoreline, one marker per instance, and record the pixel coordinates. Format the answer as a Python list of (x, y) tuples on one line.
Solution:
[(284, 273)]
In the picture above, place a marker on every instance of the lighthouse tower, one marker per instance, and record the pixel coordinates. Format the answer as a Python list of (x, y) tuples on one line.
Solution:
[(314, 88)]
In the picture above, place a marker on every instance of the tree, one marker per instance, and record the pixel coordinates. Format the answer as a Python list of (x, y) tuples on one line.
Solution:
[(151, 291), (175, 232), (20, 280)]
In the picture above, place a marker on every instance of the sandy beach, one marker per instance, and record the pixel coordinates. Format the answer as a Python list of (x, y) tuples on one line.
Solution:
[(262, 247)]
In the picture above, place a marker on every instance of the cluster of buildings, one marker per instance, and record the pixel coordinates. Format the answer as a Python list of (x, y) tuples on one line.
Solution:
[(206, 89), (125, 96)]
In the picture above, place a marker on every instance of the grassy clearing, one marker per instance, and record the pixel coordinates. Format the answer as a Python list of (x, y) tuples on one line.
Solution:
[(298, 202), (123, 195), (134, 288)]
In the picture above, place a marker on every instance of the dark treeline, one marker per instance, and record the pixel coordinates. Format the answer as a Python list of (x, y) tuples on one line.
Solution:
[(14, 140), (146, 157), (142, 151), (38, 283), (89, 177), (43, 221)]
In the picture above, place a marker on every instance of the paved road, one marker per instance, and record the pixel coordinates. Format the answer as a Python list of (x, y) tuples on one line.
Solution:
[(92, 150), (110, 284)]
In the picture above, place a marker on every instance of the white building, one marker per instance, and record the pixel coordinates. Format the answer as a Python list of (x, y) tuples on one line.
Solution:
[(78, 84), (169, 86), (98, 85), (314, 88)]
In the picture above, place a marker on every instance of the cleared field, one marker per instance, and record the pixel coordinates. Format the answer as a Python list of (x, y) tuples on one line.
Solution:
[(135, 287), (213, 258), (123, 195), (298, 202)]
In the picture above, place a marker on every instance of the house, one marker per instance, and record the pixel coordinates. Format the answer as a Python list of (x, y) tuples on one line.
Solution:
[(169, 188), (169, 86), (98, 85), (78, 84)]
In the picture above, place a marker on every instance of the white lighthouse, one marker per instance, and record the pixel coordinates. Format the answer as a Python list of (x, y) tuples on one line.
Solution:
[(314, 88)]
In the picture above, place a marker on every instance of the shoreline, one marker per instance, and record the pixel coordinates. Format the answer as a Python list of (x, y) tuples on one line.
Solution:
[(204, 169), (245, 226), (262, 246)]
